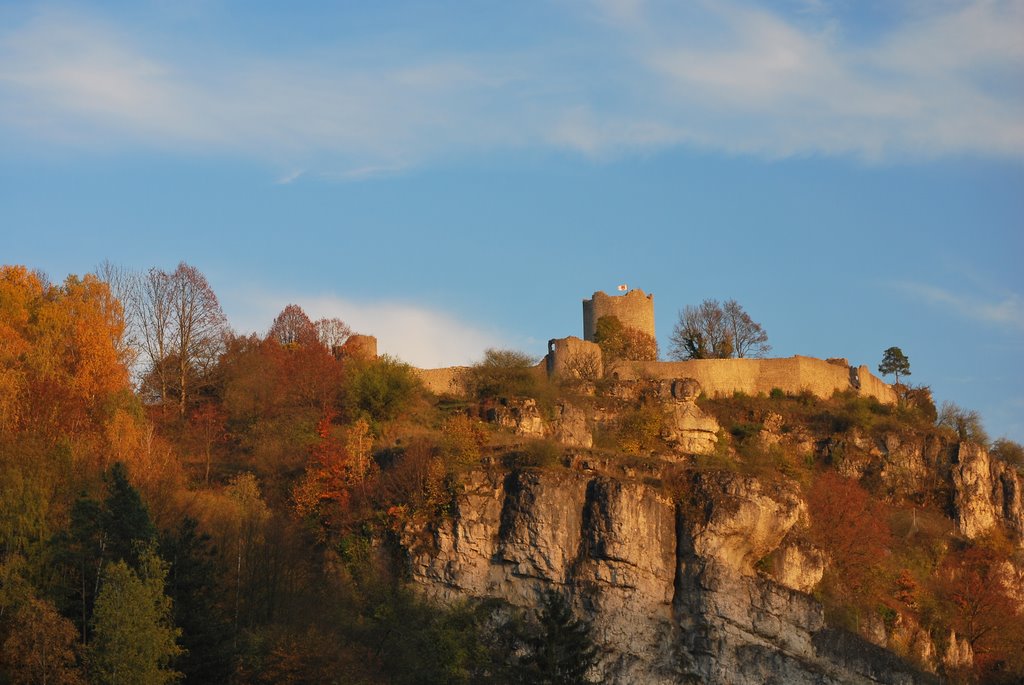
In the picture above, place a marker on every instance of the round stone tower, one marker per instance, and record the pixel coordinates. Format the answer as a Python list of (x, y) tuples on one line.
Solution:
[(634, 310)]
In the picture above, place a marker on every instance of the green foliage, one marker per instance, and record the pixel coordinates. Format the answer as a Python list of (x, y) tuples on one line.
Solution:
[(618, 342), (134, 639), (118, 529), (127, 526), (776, 394), (537, 453), (78, 551), (562, 650), (894, 362), (381, 389), (848, 411), (639, 430), (745, 431), (29, 484), (770, 462), (422, 645), (195, 593), (502, 373)]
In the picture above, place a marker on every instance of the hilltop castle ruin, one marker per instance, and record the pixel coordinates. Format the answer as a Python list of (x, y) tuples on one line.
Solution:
[(573, 357)]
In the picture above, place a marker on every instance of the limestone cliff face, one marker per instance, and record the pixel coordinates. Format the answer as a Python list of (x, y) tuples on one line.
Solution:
[(985, 492), (672, 589)]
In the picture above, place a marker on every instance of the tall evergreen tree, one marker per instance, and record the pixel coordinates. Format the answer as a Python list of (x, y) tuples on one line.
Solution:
[(894, 362), (115, 530), (127, 526), (562, 651), (192, 586), (79, 557)]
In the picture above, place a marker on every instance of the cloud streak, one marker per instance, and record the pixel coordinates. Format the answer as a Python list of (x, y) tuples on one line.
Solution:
[(1005, 311), (723, 76)]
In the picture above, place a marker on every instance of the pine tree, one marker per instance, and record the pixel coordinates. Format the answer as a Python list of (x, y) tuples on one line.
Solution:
[(115, 530), (192, 585), (894, 362), (562, 651), (126, 522), (79, 556)]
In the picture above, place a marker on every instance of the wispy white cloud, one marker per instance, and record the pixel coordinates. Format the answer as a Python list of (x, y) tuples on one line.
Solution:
[(372, 171), (93, 83), (644, 75), (759, 82), (290, 177), (1005, 310), (422, 336)]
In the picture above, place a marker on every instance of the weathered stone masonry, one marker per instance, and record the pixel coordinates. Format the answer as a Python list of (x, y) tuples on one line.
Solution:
[(717, 377), (634, 310)]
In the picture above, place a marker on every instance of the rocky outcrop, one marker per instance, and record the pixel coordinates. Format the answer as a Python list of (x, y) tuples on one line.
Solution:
[(674, 586), (688, 429), (798, 566), (910, 638), (985, 492), (570, 426), (519, 416), (909, 466), (741, 519), (959, 654)]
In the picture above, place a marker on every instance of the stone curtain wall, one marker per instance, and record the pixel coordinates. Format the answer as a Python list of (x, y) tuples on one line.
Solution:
[(449, 380), (634, 309), (717, 377), (443, 381), (723, 377), (873, 386)]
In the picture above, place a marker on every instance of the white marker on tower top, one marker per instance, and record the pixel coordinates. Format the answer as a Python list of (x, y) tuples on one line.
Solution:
[(623, 287)]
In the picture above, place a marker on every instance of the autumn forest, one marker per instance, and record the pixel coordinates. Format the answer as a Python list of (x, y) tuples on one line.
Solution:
[(180, 502)]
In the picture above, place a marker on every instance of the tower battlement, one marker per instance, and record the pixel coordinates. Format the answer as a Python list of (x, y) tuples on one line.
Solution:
[(635, 309)]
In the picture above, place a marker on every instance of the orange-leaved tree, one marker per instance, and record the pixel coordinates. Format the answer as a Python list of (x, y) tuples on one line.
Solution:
[(338, 465), (851, 526), (974, 589), (61, 353)]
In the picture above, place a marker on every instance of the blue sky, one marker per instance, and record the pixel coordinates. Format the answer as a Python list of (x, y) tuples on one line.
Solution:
[(452, 176)]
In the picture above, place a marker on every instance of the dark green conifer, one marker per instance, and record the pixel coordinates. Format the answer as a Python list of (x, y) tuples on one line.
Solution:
[(562, 651), (192, 586), (127, 526)]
